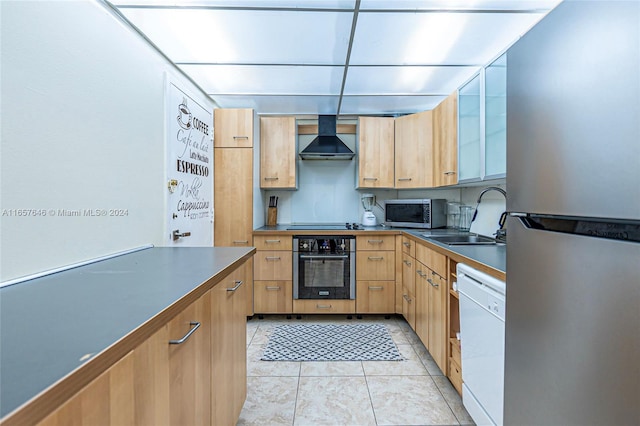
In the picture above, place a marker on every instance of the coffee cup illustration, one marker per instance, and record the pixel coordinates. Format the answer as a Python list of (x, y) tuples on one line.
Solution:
[(184, 115)]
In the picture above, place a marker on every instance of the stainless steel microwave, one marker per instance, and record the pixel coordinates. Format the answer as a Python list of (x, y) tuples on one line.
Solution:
[(416, 213)]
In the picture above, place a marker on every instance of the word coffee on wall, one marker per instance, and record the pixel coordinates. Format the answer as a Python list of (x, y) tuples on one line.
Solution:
[(189, 170)]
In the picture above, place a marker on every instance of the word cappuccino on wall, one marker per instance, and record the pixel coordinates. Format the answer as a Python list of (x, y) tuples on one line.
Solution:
[(190, 158)]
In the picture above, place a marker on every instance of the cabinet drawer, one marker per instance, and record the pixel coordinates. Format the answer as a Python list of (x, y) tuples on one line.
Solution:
[(375, 297), (272, 242), (432, 259), (376, 265), (408, 246), (376, 242), (409, 273), (455, 375), (273, 297), (273, 266), (321, 306)]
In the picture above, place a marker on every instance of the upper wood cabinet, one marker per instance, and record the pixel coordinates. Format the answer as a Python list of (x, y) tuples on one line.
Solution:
[(414, 153), (233, 128), (376, 152), (278, 152), (445, 142)]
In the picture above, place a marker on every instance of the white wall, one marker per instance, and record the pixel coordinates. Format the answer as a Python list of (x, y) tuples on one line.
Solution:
[(82, 128)]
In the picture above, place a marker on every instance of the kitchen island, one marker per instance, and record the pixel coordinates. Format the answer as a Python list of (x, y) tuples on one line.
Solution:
[(60, 332)]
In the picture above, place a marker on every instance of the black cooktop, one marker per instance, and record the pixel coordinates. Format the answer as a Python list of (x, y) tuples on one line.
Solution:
[(324, 227)]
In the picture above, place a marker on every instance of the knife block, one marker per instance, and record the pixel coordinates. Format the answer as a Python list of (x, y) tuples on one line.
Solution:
[(272, 216)]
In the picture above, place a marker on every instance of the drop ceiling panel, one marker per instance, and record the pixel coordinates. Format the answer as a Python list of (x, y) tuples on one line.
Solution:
[(281, 105), (435, 38), (387, 105), (248, 36), (315, 4), (458, 4), (405, 80), (269, 79)]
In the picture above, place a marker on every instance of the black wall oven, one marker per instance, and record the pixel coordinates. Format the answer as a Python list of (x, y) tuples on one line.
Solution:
[(324, 267)]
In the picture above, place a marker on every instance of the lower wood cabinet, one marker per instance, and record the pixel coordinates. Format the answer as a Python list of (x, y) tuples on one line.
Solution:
[(321, 306), (375, 297), (192, 371), (273, 297)]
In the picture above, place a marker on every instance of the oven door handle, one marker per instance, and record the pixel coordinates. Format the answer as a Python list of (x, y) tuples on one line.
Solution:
[(304, 256)]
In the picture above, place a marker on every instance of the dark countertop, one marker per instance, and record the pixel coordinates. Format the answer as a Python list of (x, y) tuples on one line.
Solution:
[(48, 324), (493, 257)]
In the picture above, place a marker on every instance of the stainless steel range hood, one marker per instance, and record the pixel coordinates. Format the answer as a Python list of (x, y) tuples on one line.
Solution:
[(327, 146)]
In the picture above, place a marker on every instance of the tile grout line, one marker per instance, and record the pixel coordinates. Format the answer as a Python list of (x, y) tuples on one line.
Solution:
[(369, 393)]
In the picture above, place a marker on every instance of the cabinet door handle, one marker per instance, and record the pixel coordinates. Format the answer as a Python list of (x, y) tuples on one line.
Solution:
[(268, 258), (407, 298), (378, 287), (406, 244), (323, 306), (241, 242), (273, 288), (375, 241), (406, 262), (420, 273), (375, 258), (370, 178), (449, 173), (403, 179), (194, 326), (271, 241), (238, 284), (271, 178), (241, 137)]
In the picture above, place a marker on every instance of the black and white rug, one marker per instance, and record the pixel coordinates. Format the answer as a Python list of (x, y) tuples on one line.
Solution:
[(331, 342)]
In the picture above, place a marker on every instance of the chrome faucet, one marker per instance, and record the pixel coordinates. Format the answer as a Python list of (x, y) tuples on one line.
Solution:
[(501, 233)]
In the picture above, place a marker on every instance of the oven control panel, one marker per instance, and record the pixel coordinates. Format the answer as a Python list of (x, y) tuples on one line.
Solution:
[(324, 244)]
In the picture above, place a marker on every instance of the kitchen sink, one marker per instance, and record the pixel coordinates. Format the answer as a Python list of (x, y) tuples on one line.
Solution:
[(462, 240)]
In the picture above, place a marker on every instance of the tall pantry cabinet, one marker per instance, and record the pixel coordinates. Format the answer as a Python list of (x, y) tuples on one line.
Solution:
[(233, 185)]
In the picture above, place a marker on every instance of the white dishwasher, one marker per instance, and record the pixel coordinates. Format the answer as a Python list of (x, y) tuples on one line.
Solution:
[(482, 312)]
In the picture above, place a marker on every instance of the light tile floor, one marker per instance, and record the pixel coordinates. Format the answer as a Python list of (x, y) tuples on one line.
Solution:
[(409, 392)]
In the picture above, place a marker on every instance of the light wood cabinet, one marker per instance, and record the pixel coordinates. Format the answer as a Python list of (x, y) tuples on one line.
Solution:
[(408, 247), (453, 315), (278, 152), (107, 400), (445, 142), (375, 265), (233, 128), (414, 153), (376, 142), (324, 306), (409, 289), (228, 349), (375, 297), (376, 242), (233, 185), (273, 273), (437, 334)]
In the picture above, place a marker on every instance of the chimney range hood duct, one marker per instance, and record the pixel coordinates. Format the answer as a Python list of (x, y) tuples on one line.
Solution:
[(327, 146)]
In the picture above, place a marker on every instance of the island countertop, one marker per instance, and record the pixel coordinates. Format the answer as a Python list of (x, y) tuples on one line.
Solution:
[(54, 326)]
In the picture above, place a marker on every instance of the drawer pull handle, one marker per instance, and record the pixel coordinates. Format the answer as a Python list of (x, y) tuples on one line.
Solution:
[(268, 258), (407, 298), (406, 244), (194, 326), (420, 273), (271, 178), (271, 241), (406, 262), (375, 241), (273, 288), (241, 137), (241, 242), (370, 178), (449, 173), (379, 287), (404, 179), (238, 284), (323, 306), (375, 258)]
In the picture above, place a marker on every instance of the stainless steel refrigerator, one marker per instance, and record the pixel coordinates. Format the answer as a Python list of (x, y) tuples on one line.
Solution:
[(572, 344)]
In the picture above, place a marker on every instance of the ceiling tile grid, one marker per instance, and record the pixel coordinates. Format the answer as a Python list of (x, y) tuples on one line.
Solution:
[(348, 57)]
